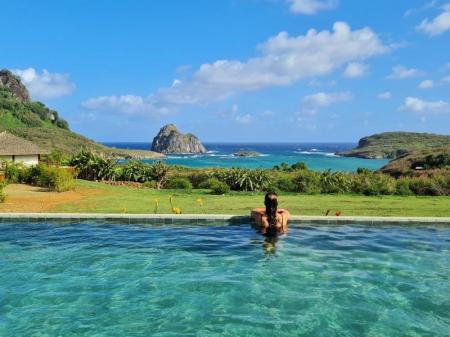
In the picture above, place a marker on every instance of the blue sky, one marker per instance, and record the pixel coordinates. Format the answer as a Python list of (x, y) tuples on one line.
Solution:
[(235, 70)]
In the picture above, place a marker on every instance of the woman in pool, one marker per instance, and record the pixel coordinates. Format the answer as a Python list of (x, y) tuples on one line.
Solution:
[(271, 221)]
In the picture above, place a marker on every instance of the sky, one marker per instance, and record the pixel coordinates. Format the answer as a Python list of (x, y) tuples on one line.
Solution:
[(235, 70)]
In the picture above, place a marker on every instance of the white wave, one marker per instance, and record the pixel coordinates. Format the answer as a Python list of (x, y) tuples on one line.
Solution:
[(211, 151), (317, 153)]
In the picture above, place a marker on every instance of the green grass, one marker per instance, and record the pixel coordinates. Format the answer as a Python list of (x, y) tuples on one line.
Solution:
[(9, 121), (121, 199)]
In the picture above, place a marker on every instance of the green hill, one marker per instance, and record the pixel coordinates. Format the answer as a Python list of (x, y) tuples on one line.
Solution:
[(391, 145), (43, 126), (425, 160)]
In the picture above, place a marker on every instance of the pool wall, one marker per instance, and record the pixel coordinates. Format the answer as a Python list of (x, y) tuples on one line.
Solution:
[(208, 218)]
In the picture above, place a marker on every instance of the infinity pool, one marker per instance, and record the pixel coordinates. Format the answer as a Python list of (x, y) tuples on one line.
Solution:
[(216, 280)]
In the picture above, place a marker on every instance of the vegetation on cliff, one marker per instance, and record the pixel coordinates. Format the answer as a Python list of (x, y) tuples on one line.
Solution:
[(420, 162), (391, 145), (43, 126)]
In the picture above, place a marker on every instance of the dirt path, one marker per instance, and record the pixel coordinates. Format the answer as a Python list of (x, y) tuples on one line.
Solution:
[(26, 198)]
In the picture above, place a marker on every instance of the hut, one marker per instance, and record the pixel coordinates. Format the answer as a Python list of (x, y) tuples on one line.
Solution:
[(19, 150)]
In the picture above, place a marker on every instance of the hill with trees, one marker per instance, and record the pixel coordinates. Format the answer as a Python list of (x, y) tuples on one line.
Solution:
[(390, 145), (43, 126)]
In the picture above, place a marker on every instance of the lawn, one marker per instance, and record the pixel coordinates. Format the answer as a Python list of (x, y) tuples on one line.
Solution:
[(91, 197)]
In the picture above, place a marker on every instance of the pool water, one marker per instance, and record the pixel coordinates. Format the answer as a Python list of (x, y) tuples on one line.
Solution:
[(223, 280)]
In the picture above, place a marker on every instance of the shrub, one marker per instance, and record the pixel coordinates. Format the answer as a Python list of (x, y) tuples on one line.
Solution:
[(54, 178), (334, 182), (159, 172), (149, 184), (299, 166), (363, 170), (2, 192), (136, 171), (40, 176), (307, 182), (216, 186), (56, 158), (90, 166), (240, 179), (433, 161), (178, 183), (284, 183), (443, 183), (424, 186), (373, 184), (60, 180), (16, 173), (198, 178), (402, 187)]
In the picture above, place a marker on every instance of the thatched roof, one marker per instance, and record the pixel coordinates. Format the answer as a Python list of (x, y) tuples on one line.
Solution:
[(11, 145)]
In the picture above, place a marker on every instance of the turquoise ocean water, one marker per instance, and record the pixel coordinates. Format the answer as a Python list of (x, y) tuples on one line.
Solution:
[(318, 156), (100, 280)]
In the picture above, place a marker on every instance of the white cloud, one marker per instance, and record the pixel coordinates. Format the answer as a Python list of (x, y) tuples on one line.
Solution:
[(128, 104), (45, 85), (385, 95), (414, 104), (312, 103), (316, 83), (446, 79), (426, 84), (431, 4), (233, 113), (310, 7), (244, 119), (284, 61), (438, 25), (355, 69), (401, 73), (408, 12), (267, 113)]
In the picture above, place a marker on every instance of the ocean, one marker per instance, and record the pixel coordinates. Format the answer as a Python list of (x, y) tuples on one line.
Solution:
[(317, 156)]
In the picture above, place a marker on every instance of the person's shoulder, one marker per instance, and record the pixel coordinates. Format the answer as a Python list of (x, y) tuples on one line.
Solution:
[(258, 210)]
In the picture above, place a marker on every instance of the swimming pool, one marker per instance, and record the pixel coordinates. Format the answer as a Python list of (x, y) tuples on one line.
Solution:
[(103, 279)]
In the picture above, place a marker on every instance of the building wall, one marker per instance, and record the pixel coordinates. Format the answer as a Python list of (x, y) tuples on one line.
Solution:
[(28, 160)]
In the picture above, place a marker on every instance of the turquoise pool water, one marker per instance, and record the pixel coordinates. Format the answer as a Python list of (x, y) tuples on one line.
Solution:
[(141, 280)]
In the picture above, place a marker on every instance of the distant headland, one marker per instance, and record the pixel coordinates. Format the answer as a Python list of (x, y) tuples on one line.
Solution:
[(390, 145)]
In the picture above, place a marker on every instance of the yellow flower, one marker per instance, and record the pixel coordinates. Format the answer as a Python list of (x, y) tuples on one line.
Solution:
[(175, 210)]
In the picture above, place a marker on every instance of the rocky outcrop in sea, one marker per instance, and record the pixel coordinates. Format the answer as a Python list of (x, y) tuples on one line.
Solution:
[(170, 140)]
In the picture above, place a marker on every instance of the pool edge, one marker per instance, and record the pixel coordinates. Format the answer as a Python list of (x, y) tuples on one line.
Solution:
[(205, 218)]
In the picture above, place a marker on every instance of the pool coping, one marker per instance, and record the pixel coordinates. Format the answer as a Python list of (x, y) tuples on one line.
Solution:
[(207, 218)]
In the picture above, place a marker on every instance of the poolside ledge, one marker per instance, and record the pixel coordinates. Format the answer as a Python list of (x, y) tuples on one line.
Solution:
[(206, 218)]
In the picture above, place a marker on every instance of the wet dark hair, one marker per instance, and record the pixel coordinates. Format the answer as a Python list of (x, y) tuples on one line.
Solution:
[(271, 203)]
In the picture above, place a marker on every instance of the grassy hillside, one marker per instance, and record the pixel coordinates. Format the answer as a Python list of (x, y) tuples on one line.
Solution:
[(428, 160), (44, 127), (394, 144)]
